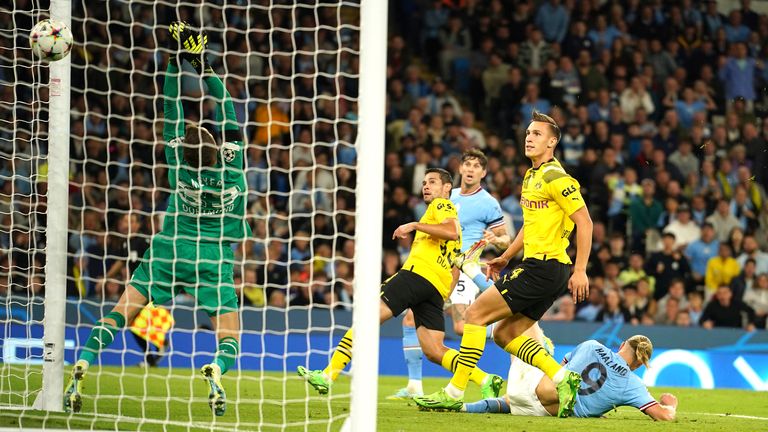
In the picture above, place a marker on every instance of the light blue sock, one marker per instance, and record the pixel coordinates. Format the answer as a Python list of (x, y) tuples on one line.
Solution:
[(482, 282), (413, 353), (488, 406)]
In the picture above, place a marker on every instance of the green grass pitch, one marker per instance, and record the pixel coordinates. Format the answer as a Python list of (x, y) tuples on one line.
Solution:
[(272, 402)]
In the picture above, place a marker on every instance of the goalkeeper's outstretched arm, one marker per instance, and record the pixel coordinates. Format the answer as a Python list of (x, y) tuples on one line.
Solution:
[(225, 109), (173, 125)]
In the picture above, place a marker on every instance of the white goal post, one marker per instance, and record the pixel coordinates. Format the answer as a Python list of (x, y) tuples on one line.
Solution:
[(51, 396)]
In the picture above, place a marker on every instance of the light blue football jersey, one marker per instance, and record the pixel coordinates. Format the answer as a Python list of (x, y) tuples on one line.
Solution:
[(477, 211), (607, 381)]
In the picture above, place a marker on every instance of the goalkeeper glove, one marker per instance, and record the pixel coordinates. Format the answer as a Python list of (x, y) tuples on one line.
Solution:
[(191, 45)]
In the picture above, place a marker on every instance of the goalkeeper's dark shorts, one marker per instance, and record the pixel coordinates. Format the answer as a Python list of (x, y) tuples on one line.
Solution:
[(203, 270), (407, 290), (533, 286)]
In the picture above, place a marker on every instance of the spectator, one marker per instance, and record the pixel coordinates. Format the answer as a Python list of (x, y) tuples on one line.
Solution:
[(667, 265), (700, 251), (735, 31), (668, 315), (684, 159), (603, 34), (695, 306), (644, 212), (736, 241), (631, 302), (572, 143), (757, 299), (552, 18), (683, 319), (713, 20), (721, 269), (662, 62), (456, 42), (745, 280), (562, 310), (635, 271), (677, 293), (612, 310), (534, 53), (687, 107), (634, 97), (439, 97), (589, 310), (684, 228), (751, 250), (600, 109), (722, 220), (738, 76), (724, 311), (742, 208), (531, 101)]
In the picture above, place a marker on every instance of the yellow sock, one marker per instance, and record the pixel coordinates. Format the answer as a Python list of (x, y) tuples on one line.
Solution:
[(472, 346), (531, 352), (451, 360), (341, 357)]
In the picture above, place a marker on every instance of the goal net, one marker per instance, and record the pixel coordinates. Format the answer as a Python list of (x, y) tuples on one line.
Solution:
[(292, 69)]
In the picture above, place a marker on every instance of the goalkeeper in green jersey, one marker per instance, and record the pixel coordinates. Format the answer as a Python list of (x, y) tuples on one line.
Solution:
[(206, 213)]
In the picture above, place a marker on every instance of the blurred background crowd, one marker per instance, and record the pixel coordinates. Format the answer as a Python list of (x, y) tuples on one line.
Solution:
[(661, 104)]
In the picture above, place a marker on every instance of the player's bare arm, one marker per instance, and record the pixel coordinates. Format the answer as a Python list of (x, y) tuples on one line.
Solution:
[(666, 410), (447, 230), (495, 266), (579, 282), (498, 237)]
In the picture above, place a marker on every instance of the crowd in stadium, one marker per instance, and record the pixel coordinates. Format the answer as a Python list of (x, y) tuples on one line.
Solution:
[(660, 104)]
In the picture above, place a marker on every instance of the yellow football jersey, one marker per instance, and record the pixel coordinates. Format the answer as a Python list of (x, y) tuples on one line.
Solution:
[(430, 257), (549, 197)]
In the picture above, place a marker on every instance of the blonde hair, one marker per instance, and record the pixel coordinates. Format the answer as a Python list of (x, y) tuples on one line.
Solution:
[(541, 117), (642, 347)]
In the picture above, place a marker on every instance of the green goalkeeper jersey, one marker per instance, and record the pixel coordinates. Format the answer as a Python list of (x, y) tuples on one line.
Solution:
[(206, 205)]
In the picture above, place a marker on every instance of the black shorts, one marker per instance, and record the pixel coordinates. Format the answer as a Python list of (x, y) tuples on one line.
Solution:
[(406, 290), (534, 285)]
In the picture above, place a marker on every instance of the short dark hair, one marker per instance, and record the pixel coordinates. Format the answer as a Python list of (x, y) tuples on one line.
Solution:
[(553, 127), (445, 176), (200, 148), (475, 154)]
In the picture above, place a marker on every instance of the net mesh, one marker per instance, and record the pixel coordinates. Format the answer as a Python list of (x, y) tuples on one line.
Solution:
[(292, 71)]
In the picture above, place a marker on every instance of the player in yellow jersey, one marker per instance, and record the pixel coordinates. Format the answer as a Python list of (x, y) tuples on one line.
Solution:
[(422, 284), (552, 206)]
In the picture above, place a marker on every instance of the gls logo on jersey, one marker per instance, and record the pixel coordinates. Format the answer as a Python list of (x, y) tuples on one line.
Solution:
[(569, 190), (447, 206)]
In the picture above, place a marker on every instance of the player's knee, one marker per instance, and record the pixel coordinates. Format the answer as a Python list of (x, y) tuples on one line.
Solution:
[(471, 316)]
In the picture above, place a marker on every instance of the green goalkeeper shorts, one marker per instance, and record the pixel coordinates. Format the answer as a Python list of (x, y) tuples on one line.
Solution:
[(203, 270)]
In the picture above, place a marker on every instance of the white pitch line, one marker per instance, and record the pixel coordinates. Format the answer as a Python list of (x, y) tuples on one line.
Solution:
[(749, 417)]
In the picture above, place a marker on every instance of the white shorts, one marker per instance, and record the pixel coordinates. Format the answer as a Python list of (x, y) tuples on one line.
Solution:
[(521, 389), (465, 292)]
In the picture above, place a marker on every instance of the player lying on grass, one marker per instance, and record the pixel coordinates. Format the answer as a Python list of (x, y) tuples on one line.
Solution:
[(552, 206), (206, 213), (422, 284), (607, 382), (480, 218)]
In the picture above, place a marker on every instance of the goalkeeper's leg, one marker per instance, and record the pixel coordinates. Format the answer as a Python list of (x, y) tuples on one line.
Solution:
[(130, 304), (227, 327)]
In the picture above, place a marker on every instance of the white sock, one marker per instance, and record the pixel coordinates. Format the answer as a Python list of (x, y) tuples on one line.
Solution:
[(453, 391), (414, 387), (559, 376)]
